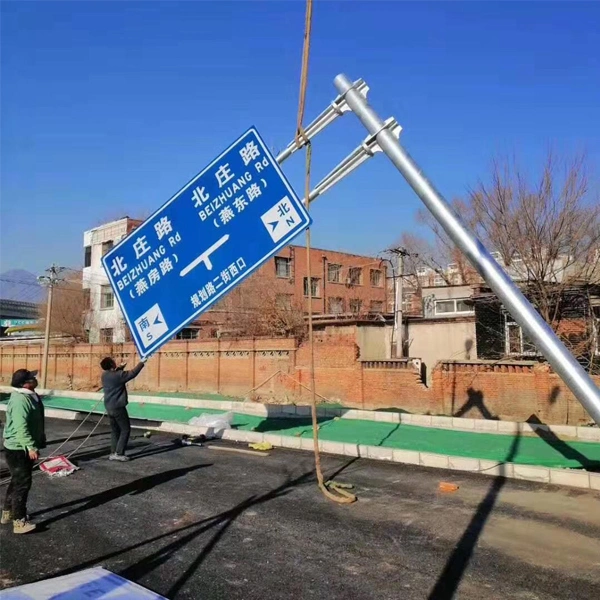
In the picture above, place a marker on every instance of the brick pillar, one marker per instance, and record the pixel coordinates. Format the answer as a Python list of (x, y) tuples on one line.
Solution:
[(158, 371), (218, 366), (187, 364)]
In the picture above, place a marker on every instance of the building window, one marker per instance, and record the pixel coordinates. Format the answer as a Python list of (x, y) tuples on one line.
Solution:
[(334, 273), (107, 298), (87, 304), (106, 335), (453, 307), (376, 306), (355, 306), (376, 278), (283, 301), (462, 306), (314, 287), (517, 343), (283, 267), (335, 306), (355, 276), (407, 301), (87, 258), (439, 281), (188, 333), (107, 246)]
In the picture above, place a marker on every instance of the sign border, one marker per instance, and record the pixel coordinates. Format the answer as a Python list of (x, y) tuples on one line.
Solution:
[(283, 242)]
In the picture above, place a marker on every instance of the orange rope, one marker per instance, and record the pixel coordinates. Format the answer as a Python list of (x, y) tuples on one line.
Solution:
[(341, 496)]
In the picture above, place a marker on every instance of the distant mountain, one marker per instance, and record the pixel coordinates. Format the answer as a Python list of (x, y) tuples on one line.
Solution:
[(21, 286)]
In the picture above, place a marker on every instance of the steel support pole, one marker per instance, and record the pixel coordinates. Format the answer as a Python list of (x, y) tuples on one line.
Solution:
[(561, 360)]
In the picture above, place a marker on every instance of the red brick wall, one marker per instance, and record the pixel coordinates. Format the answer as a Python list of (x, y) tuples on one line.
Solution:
[(277, 369), (506, 391)]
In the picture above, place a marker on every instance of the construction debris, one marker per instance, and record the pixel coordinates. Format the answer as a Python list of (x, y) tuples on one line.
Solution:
[(261, 446), (447, 487)]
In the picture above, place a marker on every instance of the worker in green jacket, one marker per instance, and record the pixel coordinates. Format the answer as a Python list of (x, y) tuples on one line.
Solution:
[(24, 437)]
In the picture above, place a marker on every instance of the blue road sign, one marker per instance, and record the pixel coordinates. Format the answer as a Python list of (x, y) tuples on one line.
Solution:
[(213, 233)]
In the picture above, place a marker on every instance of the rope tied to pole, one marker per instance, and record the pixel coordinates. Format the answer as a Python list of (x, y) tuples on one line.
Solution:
[(336, 492)]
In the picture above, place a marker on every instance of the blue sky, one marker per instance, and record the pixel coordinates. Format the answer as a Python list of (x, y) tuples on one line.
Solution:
[(109, 107)]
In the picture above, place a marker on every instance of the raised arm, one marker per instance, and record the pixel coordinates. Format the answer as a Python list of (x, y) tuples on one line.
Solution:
[(129, 375)]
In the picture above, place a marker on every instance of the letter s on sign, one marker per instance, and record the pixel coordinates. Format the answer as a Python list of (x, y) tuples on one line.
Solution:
[(149, 336)]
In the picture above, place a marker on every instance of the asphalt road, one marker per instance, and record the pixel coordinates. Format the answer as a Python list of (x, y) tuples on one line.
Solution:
[(207, 524)]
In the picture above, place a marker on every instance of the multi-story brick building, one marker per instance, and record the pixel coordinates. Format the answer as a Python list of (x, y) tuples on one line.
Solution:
[(340, 284)]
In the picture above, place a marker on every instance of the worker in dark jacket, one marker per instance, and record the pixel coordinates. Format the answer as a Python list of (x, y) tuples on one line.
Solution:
[(24, 437), (114, 380)]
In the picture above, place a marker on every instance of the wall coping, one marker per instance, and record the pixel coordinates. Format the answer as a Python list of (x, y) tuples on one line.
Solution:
[(516, 363)]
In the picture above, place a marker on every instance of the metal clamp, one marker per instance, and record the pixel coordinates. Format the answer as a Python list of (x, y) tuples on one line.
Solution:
[(336, 109), (356, 158)]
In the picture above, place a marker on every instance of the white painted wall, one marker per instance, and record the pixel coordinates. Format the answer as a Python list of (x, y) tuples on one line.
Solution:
[(94, 278), (433, 340)]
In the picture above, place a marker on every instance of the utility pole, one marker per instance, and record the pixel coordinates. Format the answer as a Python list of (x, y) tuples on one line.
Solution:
[(399, 290), (50, 281)]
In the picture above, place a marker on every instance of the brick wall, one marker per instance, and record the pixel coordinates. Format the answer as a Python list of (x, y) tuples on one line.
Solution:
[(278, 370), (509, 391)]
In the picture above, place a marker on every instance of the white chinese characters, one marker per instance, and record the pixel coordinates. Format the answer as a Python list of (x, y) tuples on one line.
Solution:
[(163, 227), (249, 152), (210, 289), (141, 247), (224, 175), (199, 196), (118, 266)]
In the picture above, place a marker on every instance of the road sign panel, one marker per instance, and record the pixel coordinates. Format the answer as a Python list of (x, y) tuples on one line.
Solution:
[(213, 233)]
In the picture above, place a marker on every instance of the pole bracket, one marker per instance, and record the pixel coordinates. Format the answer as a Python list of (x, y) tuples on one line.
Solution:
[(357, 157), (336, 109)]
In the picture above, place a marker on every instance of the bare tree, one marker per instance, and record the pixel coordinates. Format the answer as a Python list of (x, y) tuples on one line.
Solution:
[(546, 233), (437, 253), (254, 309), (69, 309)]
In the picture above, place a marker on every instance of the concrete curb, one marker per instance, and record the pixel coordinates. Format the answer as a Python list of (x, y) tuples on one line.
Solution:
[(587, 434), (539, 474)]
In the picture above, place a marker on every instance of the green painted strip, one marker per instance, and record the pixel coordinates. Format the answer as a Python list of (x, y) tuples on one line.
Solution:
[(551, 452)]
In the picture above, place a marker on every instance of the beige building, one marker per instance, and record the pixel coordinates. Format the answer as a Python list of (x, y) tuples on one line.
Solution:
[(105, 322), (446, 330)]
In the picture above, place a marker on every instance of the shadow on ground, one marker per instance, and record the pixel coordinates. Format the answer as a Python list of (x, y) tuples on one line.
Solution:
[(133, 488), (565, 449), (185, 535), (458, 562)]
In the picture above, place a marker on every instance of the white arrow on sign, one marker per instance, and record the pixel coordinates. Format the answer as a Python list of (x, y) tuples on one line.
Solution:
[(281, 218), (204, 257), (151, 325)]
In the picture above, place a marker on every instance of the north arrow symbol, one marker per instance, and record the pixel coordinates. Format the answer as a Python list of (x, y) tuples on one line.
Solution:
[(273, 224)]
